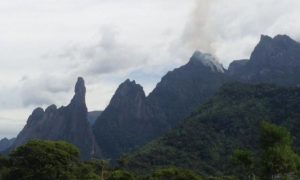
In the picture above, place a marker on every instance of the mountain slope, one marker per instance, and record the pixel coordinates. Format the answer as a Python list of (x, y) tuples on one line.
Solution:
[(65, 123), (185, 88), (127, 122), (6, 143), (230, 120), (132, 119), (274, 60), (92, 116)]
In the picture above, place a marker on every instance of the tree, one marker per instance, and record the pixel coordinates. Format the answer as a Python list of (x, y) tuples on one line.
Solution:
[(244, 159), (103, 164), (4, 167), (44, 160), (278, 160), (121, 175), (174, 173)]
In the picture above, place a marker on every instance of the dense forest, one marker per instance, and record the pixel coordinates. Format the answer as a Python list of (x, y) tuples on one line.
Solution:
[(59, 160), (205, 141)]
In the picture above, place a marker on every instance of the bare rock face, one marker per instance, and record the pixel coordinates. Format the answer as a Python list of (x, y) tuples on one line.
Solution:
[(236, 65), (182, 90), (274, 60), (66, 123), (127, 122)]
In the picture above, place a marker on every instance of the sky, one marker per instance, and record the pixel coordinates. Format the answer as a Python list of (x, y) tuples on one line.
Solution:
[(45, 45)]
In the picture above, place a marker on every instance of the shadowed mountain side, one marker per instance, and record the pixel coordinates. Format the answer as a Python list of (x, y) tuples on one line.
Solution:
[(92, 116), (6, 143), (274, 60), (66, 123), (127, 122), (132, 119)]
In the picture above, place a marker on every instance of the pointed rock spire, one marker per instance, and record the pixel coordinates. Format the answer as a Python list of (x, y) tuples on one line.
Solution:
[(127, 92), (80, 87), (80, 90), (67, 123)]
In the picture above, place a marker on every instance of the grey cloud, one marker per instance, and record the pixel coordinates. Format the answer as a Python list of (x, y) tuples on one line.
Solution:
[(45, 89), (200, 30), (8, 129), (108, 55), (9, 98), (231, 29)]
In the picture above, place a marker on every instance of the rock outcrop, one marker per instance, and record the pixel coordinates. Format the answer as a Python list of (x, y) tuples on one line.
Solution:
[(182, 90), (65, 123), (274, 60), (127, 122)]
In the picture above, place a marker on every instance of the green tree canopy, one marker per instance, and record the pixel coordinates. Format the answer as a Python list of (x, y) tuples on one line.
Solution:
[(174, 173), (43, 160), (245, 160), (278, 158)]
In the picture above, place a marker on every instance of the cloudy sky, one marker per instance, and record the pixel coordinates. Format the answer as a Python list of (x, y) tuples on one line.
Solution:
[(45, 45)]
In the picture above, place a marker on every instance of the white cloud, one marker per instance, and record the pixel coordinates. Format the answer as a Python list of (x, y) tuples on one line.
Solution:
[(231, 29), (45, 90), (140, 40), (33, 33)]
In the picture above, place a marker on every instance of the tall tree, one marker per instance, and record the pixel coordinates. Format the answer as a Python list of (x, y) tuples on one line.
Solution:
[(278, 160), (245, 160)]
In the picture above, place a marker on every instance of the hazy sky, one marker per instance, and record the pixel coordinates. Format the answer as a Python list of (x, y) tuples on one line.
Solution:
[(45, 45)]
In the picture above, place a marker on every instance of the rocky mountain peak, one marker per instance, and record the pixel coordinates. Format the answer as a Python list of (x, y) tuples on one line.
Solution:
[(51, 108), (273, 48), (36, 115), (127, 92), (68, 123), (274, 60), (80, 87), (265, 38), (80, 90), (282, 41), (38, 112), (130, 87), (208, 60)]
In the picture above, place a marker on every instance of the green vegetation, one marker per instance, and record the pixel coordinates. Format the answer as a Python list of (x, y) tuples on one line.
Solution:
[(244, 160), (174, 174), (276, 158), (205, 141), (49, 160)]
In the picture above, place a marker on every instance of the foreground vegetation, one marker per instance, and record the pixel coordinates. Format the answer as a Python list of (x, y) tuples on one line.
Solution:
[(48, 160), (276, 158)]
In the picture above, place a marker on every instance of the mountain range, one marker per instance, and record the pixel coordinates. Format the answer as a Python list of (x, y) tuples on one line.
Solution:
[(67, 123), (133, 119)]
